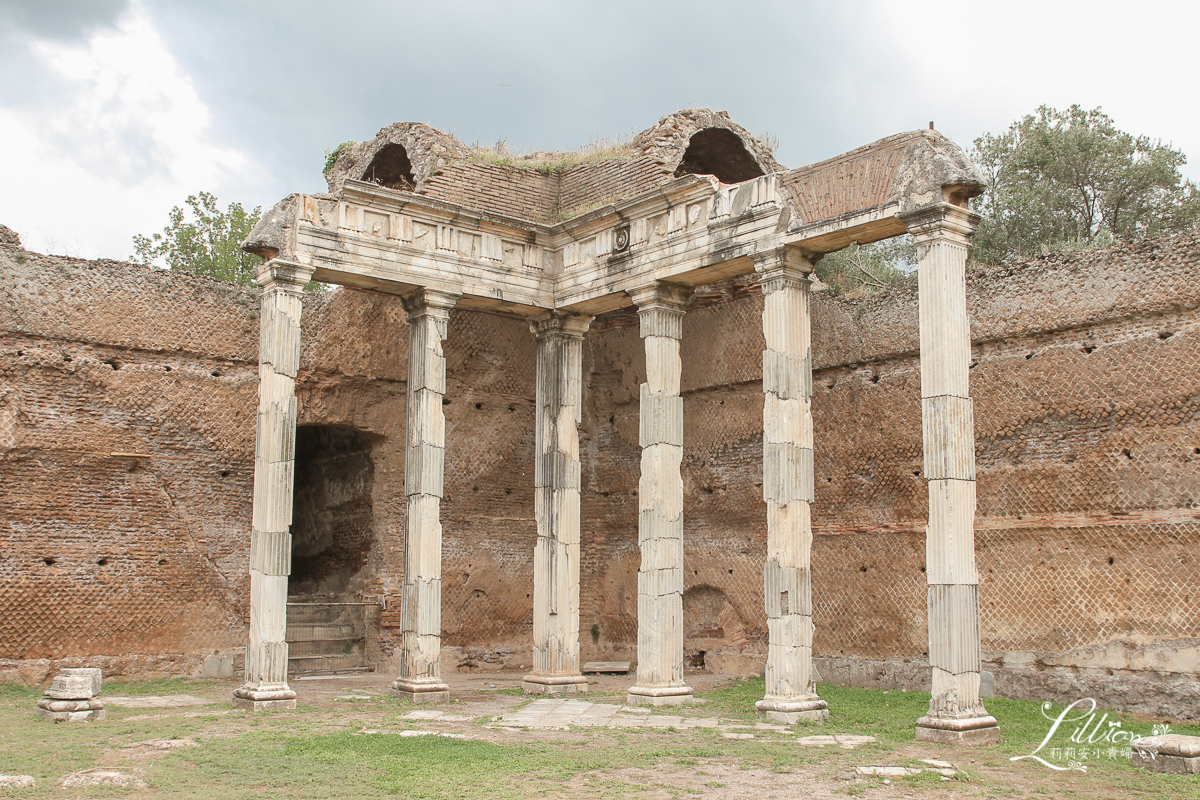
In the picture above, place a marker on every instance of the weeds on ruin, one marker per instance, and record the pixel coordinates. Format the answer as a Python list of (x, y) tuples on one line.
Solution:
[(599, 149)]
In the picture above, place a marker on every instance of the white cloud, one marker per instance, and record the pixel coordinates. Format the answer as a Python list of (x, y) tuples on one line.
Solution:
[(978, 66), (121, 137)]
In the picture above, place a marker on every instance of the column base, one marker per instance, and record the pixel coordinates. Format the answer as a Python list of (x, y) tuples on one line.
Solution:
[(659, 696), (554, 684), (278, 699), (421, 691), (973, 731), (71, 710), (791, 711)]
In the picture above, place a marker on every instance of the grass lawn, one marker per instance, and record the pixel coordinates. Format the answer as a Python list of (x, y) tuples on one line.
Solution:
[(347, 746)]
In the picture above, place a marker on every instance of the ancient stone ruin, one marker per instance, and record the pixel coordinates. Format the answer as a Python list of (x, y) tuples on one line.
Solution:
[(588, 407)]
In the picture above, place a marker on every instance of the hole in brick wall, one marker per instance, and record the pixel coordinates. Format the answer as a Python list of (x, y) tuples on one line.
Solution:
[(874, 379), (167, 368), (112, 362), (718, 152), (224, 473), (162, 562), (474, 488), (730, 572), (1164, 335), (512, 409), (216, 373), (445, 401), (695, 659), (1028, 356), (103, 562), (478, 406), (134, 466), (1111, 561), (49, 562), (67, 359), (916, 473), (1196, 451), (391, 168), (1088, 348), (973, 365), (20, 353), (333, 526), (508, 491), (922, 568), (612, 420), (862, 569), (1128, 454), (829, 480)]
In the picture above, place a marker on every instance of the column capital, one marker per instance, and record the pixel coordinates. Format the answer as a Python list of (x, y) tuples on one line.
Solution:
[(429, 302), (661, 295), (784, 259), (942, 221), (286, 275), (570, 326)]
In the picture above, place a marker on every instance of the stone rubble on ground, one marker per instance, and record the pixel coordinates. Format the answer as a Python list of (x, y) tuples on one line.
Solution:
[(101, 776), (16, 781)]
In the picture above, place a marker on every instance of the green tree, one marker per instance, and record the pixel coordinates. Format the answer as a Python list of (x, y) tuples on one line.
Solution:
[(870, 268), (1071, 178), (208, 244)]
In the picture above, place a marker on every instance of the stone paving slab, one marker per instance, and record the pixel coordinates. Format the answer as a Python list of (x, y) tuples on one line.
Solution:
[(557, 714), (158, 701), (846, 741)]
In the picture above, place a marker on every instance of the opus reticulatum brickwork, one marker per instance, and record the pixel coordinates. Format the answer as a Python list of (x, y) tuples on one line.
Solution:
[(592, 494)]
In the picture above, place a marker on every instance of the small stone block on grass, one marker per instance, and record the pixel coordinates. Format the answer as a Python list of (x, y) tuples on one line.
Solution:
[(607, 666), (1171, 754), (16, 781)]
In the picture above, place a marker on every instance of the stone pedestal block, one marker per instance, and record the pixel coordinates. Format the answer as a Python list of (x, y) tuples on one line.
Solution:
[(1172, 754)]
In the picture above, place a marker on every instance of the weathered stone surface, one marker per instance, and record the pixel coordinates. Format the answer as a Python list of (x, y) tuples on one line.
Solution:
[(75, 683)]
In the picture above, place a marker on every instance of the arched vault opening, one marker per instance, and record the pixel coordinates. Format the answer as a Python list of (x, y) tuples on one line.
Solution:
[(390, 168), (720, 153)]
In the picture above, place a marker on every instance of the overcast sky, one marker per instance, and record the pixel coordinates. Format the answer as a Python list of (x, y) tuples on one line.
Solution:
[(112, 111)]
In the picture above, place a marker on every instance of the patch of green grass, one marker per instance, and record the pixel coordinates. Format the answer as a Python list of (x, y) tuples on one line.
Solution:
[(123, 687)]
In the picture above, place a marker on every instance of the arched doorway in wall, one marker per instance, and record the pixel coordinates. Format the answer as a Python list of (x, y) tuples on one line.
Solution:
[(711, 627), (330, 626)]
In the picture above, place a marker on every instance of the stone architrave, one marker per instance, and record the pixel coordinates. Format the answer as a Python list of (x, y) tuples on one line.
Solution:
[(424, 471), (556, 506), (660, 501), (266, 685), (788, 486), (956, 713)]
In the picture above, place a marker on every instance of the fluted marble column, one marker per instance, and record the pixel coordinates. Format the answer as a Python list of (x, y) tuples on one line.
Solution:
[(660, 501), (556, 506), (791, 692), (956, 713), (424, 470), (266, 685)]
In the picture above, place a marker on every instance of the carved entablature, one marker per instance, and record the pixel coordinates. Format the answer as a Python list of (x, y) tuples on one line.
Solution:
[(688, 230)]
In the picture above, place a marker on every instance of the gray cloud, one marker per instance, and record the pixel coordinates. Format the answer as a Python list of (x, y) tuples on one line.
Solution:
[(60, 19), (288, 80)]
